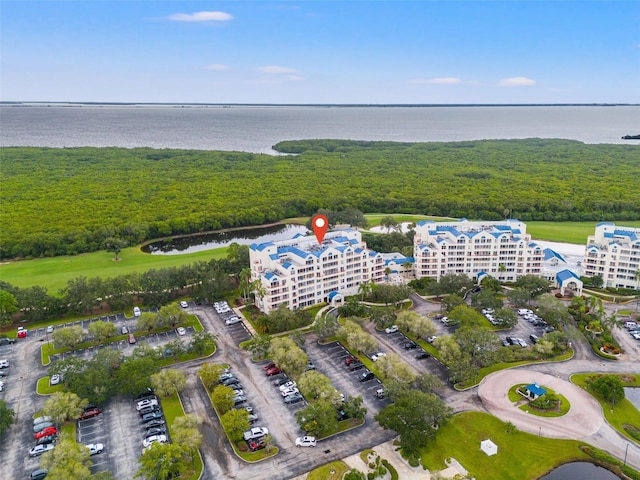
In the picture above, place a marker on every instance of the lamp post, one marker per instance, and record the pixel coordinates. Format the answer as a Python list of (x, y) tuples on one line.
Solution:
[(625, 456)]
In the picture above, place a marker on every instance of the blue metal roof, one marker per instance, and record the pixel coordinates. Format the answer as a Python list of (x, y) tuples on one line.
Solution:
[(566, 275), (334, 294), (270, 275), (549, 254), (286, 265), (536, 389), (295, 251), (274, 256), (261, 246)]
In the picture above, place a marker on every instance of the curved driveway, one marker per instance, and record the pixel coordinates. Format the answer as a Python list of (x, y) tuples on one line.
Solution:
[(584, 421)]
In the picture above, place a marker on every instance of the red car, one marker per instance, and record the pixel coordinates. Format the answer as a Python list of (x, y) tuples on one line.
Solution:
[(46, 432), (255, 445), (268, 367), (22, 333), (90, 413), (349, 360), (273, 371)]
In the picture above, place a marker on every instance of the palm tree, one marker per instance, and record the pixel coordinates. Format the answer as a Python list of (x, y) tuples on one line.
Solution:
[(364, 289), (258, 290), (245, 282), (387, 272), (502, 268), (611, 321)]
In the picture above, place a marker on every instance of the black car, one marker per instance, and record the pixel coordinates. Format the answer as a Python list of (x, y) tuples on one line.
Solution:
[(7, 341), (235, 386), (410, 345), (341, 415), (229, 381), (511, 340), (293, 398), (366, 376), (421, 355), (281, 381), (161, 430), (356, 366)]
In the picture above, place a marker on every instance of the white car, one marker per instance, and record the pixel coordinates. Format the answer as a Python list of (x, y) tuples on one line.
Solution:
[(432, 338), (181, 331), (40, 449), (377, 356), (4, 363), (147, 402), (391, 329), (232, 321), (136, 311), (1, 386), (95, 448), (289, 391), (54, 380), (306, 442), (287, 385), (153, 439), (238, 391), (50, 329), (255, 432), (184, 304)]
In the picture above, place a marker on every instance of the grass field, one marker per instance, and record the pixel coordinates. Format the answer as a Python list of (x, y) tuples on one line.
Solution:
[(330, 471), (520, 455), (622, 412), (54, 273)]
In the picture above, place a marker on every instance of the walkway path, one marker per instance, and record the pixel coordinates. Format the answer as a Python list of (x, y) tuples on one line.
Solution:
[(584, 421)]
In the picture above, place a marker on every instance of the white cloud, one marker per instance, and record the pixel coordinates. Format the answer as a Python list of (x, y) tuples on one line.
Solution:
[(517, 82), (275, 69), (200, 17), (437, 81), (294, 78), (218, 67)]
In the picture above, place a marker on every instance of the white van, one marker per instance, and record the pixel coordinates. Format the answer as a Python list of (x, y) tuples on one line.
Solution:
[(136, 311)]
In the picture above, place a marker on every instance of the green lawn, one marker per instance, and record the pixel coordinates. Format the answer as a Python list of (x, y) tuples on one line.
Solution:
[(520, 455), (373, 219), (330, 471), (570, 232), (43, 387), (622, 412)]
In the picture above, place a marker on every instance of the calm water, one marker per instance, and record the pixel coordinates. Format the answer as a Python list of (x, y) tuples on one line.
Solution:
[(580, 471), (198, 243), (256, 129)]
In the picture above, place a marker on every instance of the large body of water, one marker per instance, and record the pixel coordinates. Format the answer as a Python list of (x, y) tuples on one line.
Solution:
[(258, 128), (580, 471)]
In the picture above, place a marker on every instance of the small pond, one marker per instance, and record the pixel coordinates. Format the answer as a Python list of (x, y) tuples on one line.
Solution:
[(208, 241), (580, 470)]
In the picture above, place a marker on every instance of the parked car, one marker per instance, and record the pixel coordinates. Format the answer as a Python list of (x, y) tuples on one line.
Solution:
[(151, 416), (38, 474), (40, 449), (356, 366), (255, 432), (239, 399), (281, 380), (161, 430), (410, 345), (289, 391), (46, 432), (306, 442), (124, 331), (235, 386), (258, 444), (232, 321), (377, 356), (391, 329), (225, 376), (136, 311), (380, 393), (238, 392), (181, 331), (41, 426), (310, 366), (158, 423), (521, 342), (46, 440), (534, 338), (22, 332), (151, 409), (90, 413), (7, 341), (422, 355), (156, 438), (289, 384), (293, 398), (147, 402), (95, 448), (253, 418), (4, 363), (349, 360), (273, 371), (38, 420), (366, 376), (54, 380), (432, 338), (184, 304), (269, 366)]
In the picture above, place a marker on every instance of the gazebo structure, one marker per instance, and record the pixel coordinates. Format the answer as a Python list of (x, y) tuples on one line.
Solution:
[(488, 447), (336, 299), (534, 391), (567, 280)]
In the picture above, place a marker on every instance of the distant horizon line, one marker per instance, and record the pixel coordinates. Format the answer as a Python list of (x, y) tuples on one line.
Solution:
[(26, 103)]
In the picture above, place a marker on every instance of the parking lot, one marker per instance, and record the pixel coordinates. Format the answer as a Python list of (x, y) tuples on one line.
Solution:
[(94, 430)]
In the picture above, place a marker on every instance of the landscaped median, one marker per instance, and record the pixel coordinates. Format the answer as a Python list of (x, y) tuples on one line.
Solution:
[(208, 376), (619, 412), (44, 386), (556, 406)]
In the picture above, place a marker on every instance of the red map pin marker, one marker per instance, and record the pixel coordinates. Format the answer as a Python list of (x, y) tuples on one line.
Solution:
[(320, 223)]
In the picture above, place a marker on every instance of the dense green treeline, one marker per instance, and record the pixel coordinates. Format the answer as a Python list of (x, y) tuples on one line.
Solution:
[(67, 201)]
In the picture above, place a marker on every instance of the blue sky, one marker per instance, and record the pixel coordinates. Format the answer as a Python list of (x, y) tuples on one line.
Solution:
[(321, 52)]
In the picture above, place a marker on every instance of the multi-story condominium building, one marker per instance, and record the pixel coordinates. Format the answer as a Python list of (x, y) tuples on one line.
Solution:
[(501, 249), (301, 272), (614, 253)]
